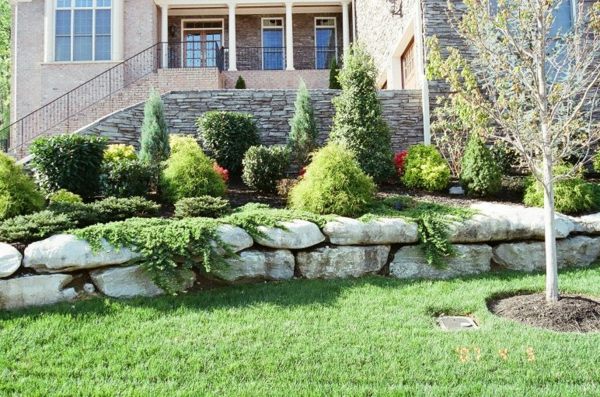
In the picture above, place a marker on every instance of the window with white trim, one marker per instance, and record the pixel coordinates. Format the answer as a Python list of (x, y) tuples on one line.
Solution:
[(83, 30)]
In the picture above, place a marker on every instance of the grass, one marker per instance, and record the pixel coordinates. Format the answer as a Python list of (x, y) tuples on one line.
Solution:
[(371, 336)]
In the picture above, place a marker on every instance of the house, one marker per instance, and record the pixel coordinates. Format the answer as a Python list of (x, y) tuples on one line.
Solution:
[(80, 61)]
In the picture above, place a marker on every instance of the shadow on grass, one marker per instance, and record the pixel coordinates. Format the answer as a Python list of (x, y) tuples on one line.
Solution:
[(294, 293)]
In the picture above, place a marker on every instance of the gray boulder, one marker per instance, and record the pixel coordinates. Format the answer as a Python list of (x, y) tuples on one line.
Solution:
[(588, 224), (235, 237), (347, 231), (256, 265), (10, 260), (18, 293), (343, 261), (409, 262), (297, 234)]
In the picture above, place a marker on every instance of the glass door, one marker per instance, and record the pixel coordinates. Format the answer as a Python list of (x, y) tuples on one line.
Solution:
[(201, 43), (272, 41), (325, 42)]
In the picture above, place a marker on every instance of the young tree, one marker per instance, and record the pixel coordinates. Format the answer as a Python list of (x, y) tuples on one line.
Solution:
[(358, 122), (537, 83), (154, 142), (303, 135)]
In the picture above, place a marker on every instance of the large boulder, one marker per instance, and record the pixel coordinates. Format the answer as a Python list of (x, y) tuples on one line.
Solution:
[(343, 261), (588, 224), (347, 231), (579, 251), (256, 265), (65, 252), (235, 237), (409, 262), (297, 234), (133, 281), (10, 260), (501, 222), (18, 293)]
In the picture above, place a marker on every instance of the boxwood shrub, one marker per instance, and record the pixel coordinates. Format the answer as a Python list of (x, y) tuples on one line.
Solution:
[(18, 193), (425, 168), (64, 196), (264, 166), (226, 136), (71, 161)]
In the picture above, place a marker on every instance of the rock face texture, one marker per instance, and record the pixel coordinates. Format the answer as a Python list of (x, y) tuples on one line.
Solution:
[(342, 262), (293, 235), (589, 224), (257, 265), (500, 222), (579, 251), (409, 262), (10, 260), (235, 237), (132, 281), (23, 292), (347, 231), (65, 252)]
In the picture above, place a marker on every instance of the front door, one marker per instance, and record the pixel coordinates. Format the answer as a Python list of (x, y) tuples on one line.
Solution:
[(201, 43), (272, 40)]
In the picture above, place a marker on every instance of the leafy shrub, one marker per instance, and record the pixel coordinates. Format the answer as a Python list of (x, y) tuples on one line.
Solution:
[(399, 160), (113, 209), (189, 173), (36, 226), (334, 71), (424, 168), (505, 157), (571, 196), (223, 173), (227, 136), (264, 166), (303, 135), (333, 184), (480, 174), (18, 193), (71, 162), (126, 178), (203, 206), (119, 152), (154, 140), (358, 122), (240, 84), (178, 142), (64, 196), (596, 162)]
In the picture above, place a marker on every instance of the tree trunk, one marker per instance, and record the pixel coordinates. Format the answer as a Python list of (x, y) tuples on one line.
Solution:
[(550, 234)]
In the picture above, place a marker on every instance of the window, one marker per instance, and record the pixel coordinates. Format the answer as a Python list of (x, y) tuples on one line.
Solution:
[(409, 75), (272, 42), (325, 42), (564, 17), (83, 30)]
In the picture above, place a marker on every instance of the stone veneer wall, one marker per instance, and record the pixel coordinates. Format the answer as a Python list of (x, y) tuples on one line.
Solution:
[(63, 268), (273, 110)]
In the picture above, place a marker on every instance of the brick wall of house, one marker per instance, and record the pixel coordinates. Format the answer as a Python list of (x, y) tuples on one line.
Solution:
[(278, 79), (273, 110)]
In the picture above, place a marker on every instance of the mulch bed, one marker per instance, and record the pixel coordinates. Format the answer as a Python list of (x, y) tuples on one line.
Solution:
[(570, 314)]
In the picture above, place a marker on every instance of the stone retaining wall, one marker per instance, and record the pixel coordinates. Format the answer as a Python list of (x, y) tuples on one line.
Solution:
[(63, 268), (273, 110)]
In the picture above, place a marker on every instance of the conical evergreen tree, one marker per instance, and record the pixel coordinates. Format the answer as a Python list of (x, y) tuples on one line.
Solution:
[(480, 174), (334, 71), (358, 123), (154, 141), (303, 135)]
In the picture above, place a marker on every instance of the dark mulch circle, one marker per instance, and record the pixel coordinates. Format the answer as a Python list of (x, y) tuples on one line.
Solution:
[(570, 314)]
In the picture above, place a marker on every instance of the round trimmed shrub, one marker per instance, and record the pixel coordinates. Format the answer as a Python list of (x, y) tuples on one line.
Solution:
[(226, 136), (480, 175), (119, 152), (571, 196), (189, 173), (203, 206), (177, 142), (64, 196), (333, 183), (126, 178), (18, 193), (425, 168), (264, 166)]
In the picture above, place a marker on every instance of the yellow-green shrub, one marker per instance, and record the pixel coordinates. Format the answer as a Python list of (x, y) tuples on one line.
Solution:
[(18, 193), (425, 168)]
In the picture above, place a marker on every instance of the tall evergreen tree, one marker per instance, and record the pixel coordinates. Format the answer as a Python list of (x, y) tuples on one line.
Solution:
[(334, 71), (154, 142), (358, 123), (303, 135)]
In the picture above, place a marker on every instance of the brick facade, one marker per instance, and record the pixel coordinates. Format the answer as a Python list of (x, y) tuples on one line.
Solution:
[(278, 79)]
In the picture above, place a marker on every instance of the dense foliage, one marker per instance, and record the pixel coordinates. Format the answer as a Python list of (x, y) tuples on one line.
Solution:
[(425, 168), (190, 173), (70, 161), (5, 61), (303, 134), (64, 196), (333, 184), (126, 178), (334, 72), (154, 140), (480, 175), (264, 166), (240, 84), (505, 157), (572, 195), (227, 136), (203, 206), (119, 152), (358, 122), (399, 160), (18, 193)]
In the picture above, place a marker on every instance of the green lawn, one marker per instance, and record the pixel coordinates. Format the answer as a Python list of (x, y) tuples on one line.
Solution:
[(371, 336)]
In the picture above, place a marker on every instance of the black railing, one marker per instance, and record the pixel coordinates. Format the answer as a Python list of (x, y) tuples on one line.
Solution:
[(195, 55), (274, 58)]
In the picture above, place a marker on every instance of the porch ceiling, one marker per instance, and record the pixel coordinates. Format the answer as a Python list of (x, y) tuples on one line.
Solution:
[(244, 3)]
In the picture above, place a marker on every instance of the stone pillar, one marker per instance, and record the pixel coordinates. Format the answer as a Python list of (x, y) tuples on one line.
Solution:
[(289, 37), (164, 35), (49, 31), (232, 38), (118, 31), (345, 25)]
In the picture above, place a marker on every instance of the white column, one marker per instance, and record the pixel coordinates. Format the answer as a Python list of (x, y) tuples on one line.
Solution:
[(49, 31), (346, 26), (118, 31), (232, 39), (164, 34), (394, 79), (289, 36)]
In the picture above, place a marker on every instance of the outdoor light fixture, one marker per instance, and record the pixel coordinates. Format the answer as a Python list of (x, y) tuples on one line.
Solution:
[(395, 7)]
